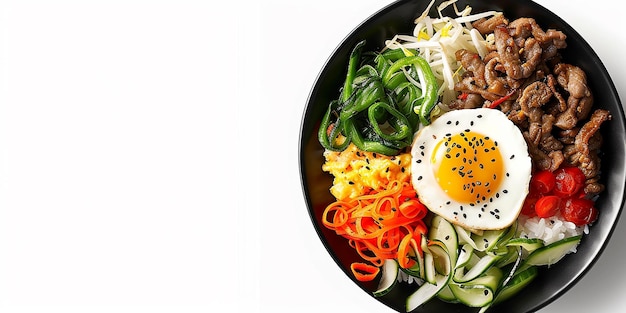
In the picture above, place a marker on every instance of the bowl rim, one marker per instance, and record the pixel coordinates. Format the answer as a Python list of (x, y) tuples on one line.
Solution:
[(618, 115)]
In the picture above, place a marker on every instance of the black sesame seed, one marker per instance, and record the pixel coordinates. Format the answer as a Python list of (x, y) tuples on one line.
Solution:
[(512, 156), (419, 177)]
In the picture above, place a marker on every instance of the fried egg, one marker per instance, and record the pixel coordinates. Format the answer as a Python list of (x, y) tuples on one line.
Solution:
[(472, 167)]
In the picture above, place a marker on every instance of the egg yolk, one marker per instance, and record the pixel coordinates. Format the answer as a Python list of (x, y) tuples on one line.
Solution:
[(468, 166)]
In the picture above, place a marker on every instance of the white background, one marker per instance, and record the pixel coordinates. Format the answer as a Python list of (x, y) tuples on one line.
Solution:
[(148, 156)]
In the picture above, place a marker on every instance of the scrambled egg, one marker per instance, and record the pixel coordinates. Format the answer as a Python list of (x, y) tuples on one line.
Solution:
[(357, 172)]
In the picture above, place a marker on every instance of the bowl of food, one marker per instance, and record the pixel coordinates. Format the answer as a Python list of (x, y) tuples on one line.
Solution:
[(463, 156)]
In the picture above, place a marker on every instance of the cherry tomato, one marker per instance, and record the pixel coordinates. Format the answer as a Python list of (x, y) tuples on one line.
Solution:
[(568, 181), (579, 211), (543, 181), (547, 206), (528, 208)]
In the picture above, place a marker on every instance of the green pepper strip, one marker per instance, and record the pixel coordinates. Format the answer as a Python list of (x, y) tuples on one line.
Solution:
[(397, 121), (353, 63), (367, 145), (363, 98), (429, 84), (329, 139), (408, 96)]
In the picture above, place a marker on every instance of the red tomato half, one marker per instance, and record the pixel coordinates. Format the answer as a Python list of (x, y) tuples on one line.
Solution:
[(543, 181), (579, 211), (547, 206), (568, 181)]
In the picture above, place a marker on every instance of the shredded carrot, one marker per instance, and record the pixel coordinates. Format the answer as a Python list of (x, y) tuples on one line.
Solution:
[(363, 271), (385, 224)]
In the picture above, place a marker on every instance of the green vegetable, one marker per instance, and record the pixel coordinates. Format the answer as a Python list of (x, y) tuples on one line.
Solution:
[(378, 105), (429, 82)]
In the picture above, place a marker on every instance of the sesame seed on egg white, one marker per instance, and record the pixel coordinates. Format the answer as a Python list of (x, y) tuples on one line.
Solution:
[(472, 167)]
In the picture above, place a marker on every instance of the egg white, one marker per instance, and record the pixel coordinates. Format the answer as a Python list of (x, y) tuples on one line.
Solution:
[(504, 204)]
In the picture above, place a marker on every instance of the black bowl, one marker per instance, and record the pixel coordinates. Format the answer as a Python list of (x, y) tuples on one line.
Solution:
[(397, 18)]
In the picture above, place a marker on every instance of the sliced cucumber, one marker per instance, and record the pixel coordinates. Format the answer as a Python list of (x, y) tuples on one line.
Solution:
[(443, 231), (508, 258), (485, 263), (426, 292), (516, 284), (437, 275), (475, 296), (414, 270), (465, 254), (447, 295), (479, 292), (553, 252), (529, 244), (389, 277), (490, 239), (430, 274)]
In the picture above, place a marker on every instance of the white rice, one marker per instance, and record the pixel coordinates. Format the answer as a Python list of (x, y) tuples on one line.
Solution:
[(549, 229)]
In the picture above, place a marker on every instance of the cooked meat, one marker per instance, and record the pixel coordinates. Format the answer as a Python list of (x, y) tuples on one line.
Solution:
[(549, 100), (535, 95), (470, 101), (486, 26), (579, 102), (508, 51), (472, 63), (587, 131)]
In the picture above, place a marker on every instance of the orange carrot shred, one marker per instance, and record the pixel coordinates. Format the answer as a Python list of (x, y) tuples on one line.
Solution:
[(363, 271), (382, 224)]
